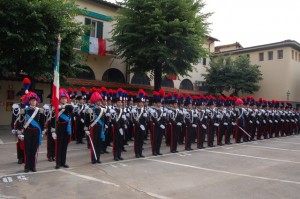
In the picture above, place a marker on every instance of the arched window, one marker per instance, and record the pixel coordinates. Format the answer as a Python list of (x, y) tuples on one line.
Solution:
[(167, 83), (140, 79), (113, 75), (186, 84), (88, 74)]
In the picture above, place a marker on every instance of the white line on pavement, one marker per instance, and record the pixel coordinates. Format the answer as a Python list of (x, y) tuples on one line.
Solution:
[(265, 147), (285, 142), (255, 157), (157, 196), (89, 178), (226, 172)]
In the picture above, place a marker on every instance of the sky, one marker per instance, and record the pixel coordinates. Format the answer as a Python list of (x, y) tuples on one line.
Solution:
[(253, 22)]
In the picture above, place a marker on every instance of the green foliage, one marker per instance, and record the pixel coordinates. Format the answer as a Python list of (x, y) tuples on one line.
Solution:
[(28, 37), (225, 74), (161, 37)]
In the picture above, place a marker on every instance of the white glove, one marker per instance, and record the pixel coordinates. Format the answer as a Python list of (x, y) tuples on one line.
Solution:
[(145, 114), (142, 127), (194, 125), (74, 118), (123, 117), (46, 107), (164, 114), (233, 123), (14, 131), (205, 117), (82, 120), (257, 122), (87, 133), (250, 121), (276, 121), (106, 126), (204, 126), (125, 126), (225, 123), (44, 131), (21, 137), (54, 136), (216, 124), (53, 130), (162, 126), (270, 121), (179, 124), (264, 121), (121, 131)]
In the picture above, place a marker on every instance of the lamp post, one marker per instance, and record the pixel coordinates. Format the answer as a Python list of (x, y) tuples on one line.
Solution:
[(288, 95)]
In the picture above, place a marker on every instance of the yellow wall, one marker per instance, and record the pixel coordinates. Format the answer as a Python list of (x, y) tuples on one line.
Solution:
[(279, 75)]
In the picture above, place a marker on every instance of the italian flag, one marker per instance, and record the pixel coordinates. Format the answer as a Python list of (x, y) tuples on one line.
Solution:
[(96, 46)]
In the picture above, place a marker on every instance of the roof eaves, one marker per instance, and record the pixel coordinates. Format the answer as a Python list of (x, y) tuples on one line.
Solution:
[(284, 43), (106, 3)]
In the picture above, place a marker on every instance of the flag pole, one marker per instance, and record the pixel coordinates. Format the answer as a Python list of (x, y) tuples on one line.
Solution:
[(55, 85)]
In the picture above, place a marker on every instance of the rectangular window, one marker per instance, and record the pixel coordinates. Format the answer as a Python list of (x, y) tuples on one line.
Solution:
[(270, 55), (204, 61), (296, 56), (280, 54), (299, 57), (96, 28), (261, 56), (292, 54)]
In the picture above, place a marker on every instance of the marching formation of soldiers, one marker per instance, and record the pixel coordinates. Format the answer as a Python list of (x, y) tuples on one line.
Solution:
[(114, 117)]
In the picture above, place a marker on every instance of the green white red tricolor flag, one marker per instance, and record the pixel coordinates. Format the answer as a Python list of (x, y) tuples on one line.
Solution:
[(55, 86), (96, 46)]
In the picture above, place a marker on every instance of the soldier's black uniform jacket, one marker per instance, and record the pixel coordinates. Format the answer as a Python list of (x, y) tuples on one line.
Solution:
[(63, 132), (32, 122)]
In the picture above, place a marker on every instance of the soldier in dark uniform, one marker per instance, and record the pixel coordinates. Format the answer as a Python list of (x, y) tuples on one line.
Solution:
[(118, 119), (201, 122), (20, 138), (79, 115), (212, 125), (16, 118), (95, 127), (139, 116), (61, 129), (181, 129), (158, 118), (31, 124), (176, 118), (239, 110), (222, 120), (49, 115), (190, 128)]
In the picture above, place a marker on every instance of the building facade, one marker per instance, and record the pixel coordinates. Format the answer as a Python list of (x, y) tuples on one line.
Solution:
[(280, 66), (105, 69)]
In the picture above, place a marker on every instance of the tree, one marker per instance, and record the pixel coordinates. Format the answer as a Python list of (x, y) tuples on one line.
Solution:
[(225, 74), (160, 37), (28, 37)]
